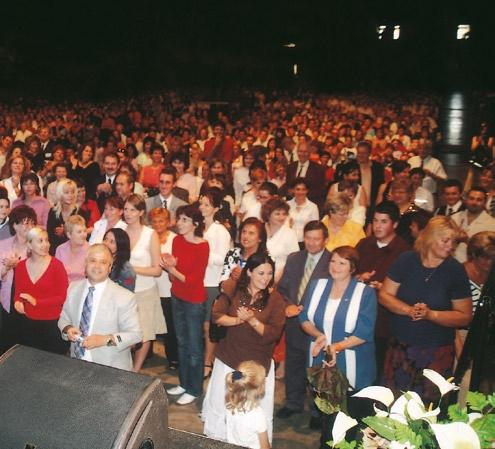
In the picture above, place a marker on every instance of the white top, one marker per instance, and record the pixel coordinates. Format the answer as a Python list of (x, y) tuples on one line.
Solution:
[(253, 210), (7, 183), (280, 245), (100, 227), (97, 294), (241, 180), (432, 164), (243, 427), (218, 239), (163, 282), (302, 214), (189, 183), (424, 199), (358, 215), (248, 198), (141, 257), (484, 222)]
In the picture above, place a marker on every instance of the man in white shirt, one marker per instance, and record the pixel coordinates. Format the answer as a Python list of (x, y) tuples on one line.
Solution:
[(99, 317), (432, 167), (474, 219)]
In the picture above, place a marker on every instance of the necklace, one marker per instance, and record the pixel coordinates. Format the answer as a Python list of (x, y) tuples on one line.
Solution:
[(429, 276)]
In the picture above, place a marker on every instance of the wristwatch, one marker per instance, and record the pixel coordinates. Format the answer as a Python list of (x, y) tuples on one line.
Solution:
[(110, 341)]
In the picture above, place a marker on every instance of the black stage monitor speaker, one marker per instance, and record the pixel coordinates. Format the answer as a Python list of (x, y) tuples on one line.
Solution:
[(48, 401)]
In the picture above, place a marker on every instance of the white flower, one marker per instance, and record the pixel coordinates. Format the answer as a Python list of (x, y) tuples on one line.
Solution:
[(416, 410), (341, 425), (456, 435), (380, 394), (380, 413), (397, 445), (474, 416), (443, 384), (399, 407)]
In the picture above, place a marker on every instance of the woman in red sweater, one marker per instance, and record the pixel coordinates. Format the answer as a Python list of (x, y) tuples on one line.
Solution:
[(40, 289), (186, 267)]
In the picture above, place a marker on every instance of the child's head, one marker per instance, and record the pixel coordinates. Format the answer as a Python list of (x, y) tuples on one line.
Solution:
[(245, 387)]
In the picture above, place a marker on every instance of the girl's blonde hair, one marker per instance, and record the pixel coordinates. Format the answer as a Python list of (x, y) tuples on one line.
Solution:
[(245, 387), (59, 192), (436, 228)]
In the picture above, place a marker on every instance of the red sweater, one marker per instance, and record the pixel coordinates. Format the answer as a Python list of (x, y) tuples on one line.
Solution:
[(49, 290), (192, 259)]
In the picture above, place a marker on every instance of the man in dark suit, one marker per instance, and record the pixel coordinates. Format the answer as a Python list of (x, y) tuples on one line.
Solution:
[(104, 186), (371, 175), (452, 198), (46, 144), (301, 268), (312, 172)]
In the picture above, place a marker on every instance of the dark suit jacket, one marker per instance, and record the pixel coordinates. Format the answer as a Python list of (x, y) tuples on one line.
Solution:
[(315, 176), (100, 199), (288, 287)]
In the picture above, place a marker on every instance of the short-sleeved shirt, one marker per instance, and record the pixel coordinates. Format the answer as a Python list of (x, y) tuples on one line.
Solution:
[(436, 287), (243, 428)]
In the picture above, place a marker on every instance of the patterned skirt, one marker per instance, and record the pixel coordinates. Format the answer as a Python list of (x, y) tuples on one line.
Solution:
[(404, 364)]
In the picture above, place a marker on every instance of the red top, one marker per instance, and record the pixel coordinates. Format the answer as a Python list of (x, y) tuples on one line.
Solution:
[(150, 175), (226, 152), (91, 207), (50, 290), (192, 259)]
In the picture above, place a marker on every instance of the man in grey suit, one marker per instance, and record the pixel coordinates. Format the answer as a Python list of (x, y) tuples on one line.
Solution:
[(301, 268), (99, 317), (166, 198)]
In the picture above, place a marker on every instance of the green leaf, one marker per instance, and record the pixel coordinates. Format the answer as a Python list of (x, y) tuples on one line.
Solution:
[(383, 426), (346, 445), (485, 429), (403, 434), (491, 400), (477, 401), (458, 414), (325, 406), (423, 429)]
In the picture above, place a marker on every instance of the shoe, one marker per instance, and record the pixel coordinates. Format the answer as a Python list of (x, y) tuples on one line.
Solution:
[(315, 423), (175, 391), (173, 366), (208, 368), (286, 412), (186, 398)]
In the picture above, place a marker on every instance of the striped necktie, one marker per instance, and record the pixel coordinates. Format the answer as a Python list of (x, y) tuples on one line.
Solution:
[(308, 270), (491, 209), (85, 321)]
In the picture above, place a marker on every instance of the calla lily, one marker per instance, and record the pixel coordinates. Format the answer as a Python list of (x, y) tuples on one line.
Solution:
[(380, 413), (415, 410), (399, 407), (341, 425), (380, 394), (443, 384), (456, 435)]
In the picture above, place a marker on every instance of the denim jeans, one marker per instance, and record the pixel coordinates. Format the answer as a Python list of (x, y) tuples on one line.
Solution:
[(188, 320)]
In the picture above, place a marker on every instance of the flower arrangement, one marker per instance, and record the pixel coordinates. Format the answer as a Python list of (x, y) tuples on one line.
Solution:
[(406, 423)]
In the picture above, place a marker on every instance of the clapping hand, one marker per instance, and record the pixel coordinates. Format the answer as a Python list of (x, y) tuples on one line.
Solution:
[(168, 261), (244, 314), (235, 273)]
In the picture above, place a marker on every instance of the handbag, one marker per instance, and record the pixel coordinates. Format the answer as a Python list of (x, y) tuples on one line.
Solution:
[(217, 332)]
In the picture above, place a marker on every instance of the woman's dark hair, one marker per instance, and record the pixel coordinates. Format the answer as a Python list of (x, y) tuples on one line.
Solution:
[(31, 176), (299, 181), (214, 195), (271, 206), (123, 253), (195, 215), (260, 226), (181, 157), (254, 261), (19, 214), (398, 166), (349, 167)]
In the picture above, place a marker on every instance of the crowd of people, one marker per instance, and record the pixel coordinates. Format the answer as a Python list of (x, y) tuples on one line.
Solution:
[(255, 241)]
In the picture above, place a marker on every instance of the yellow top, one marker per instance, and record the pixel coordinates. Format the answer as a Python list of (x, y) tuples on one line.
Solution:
[(350, 234)]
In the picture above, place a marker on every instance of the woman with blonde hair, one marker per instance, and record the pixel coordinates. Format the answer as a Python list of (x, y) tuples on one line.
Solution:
[(145, 259), (40, 289), (65, 206), (73, 252), (427, 293), (246, 420), (342, 231)]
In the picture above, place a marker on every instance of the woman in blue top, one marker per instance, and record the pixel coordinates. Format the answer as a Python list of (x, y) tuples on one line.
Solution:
[(427, 292), (341, 312)]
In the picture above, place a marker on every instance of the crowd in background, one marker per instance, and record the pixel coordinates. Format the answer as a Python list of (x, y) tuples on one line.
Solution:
[(268, 231)]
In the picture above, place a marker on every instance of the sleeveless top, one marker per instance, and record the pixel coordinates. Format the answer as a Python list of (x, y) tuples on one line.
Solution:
[(141, 257)]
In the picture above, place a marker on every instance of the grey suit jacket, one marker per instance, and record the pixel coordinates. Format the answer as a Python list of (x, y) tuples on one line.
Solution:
[(294, 271), (116, 315), (172, 205)]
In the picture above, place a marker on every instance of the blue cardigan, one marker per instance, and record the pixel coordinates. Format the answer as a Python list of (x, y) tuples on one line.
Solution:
[(357, 313)]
